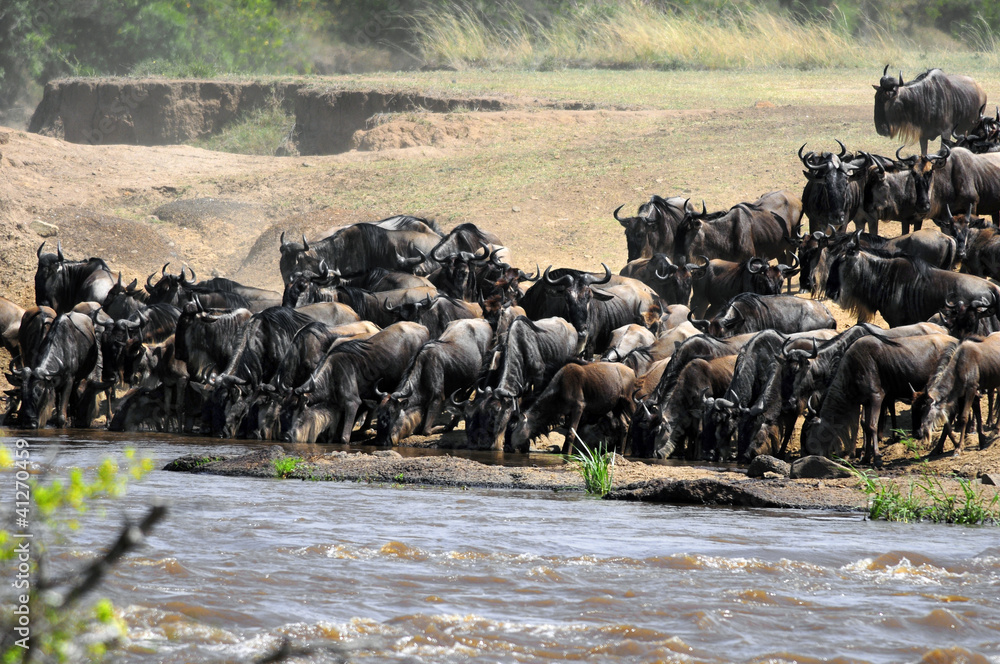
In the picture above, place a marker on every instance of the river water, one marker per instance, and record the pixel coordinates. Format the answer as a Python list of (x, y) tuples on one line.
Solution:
[(415, 574)]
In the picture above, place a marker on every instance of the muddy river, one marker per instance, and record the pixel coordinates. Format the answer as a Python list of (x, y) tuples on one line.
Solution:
[(417, 574)]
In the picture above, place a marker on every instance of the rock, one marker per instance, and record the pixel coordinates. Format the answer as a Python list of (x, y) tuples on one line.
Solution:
[(44, 229), (515, 209), (990, 479), (771, 475), (764, 463), (388, 454), (193, 462), (817, 467)]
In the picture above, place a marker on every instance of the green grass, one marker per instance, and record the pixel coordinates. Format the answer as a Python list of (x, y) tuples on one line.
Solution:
[(260, 132), (596, 467), (285, 466), (926, 500)]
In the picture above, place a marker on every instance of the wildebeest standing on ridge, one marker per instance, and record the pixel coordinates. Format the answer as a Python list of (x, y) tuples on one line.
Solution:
[(931, 105)]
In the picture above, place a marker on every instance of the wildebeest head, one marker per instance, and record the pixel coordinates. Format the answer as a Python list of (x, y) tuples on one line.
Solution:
[(809, 255), (720, 419), (486, 425), (673, 282), (962, 318), (885, 92), (797, 363), (832, 173), (289, 256), (457, 276), (920, 169), (302, 285), (167, 288), (579, 290), (649, 231), (957, 226), (38, 398)]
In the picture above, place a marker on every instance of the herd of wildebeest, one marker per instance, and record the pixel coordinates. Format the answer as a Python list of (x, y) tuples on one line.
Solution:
[(393, 328)]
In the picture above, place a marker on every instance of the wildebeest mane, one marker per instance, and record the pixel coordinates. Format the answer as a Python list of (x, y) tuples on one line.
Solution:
[(884, 280)]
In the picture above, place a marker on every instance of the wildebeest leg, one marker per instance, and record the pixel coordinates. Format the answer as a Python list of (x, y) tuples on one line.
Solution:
[(348, 413), (963, 419), (872, 410), (572, 425), (990, 420), (978, 413), (923, 145), (62, 404), (434, 408)]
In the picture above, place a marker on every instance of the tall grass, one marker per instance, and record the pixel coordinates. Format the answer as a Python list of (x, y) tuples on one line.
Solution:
[(597, 467), (638, 35), (927, 500)]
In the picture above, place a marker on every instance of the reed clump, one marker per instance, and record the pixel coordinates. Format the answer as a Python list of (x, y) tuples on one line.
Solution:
[(927, 499), (597, 467), (285, 466)]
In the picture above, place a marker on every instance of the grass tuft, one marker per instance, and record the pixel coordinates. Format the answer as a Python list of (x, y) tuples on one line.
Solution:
[(262, 131), (285, 466), (926, 500), (596, 467)]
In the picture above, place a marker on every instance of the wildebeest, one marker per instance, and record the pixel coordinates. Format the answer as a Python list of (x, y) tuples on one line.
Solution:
[(904, 291), (680, 417), (652, 230), (749, 312), (871, 372), (348, 376), (964, 180), (626, 339), (931, 105), (66, 357), (594, 312), (817, 253), (10, 323), (436, 314), (834, 187), (742, 232), (645, 427), (576, 391), (534, 351), (971, 367), (207, 340), (62, 284), (671, 282), (715, 282), (441, 367), (390, 244), (904, 193)]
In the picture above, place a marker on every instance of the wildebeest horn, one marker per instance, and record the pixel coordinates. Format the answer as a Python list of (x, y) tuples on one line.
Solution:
[(670, 270), (486, 253), (163, 270), (898, 150), (900, 78), (283, 243), (831, 230), (455, 402), (305, 243), (617, 218), (843, 150), (590, 279), (810, 408), (409, 262), (59, 250), (700, 323), (759, 262), (698, 270), (379, 393), (950, 302), (324, 269), (564, 280), (387, 306), (885, 71), (704, 210), (524, 276), (39, 252), (795, 260), (947, 209), (149, 281)]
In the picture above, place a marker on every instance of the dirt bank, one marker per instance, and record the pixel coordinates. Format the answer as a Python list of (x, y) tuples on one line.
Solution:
[(633, 480)]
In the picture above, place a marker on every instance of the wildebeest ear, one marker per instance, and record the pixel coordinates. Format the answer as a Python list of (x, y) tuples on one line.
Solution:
[(601, 294), (877, 87)]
